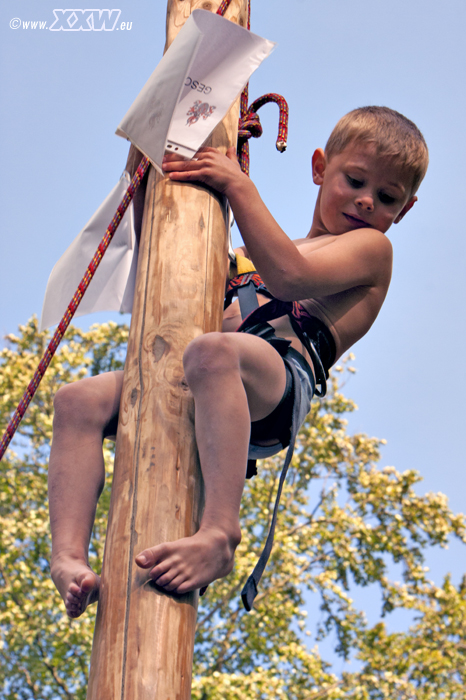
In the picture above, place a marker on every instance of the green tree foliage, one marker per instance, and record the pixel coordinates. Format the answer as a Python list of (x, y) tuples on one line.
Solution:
[(343, 522)]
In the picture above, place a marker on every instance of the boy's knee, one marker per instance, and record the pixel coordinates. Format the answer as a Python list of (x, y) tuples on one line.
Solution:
[(212, 353), (77, 405)]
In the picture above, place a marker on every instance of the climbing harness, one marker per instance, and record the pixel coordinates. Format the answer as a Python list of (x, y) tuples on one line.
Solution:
[(321, 347), (314, 335), (250, 588)]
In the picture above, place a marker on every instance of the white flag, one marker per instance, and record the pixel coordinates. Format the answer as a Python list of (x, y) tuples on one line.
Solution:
[(112, 287), (193, 87), (187, 95)]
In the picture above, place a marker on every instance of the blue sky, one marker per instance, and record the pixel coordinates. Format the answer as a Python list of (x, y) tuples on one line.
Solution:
[(64, 93)]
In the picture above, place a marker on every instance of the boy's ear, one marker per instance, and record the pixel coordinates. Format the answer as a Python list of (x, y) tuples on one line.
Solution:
[(405, 209), (319, 163)]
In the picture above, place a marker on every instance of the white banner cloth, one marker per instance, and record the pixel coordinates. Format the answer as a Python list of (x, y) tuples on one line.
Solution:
[(112, 287), (193, 87), (188, 94)]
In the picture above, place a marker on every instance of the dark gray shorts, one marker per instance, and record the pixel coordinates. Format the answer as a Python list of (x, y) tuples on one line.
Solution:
[(306, 388)]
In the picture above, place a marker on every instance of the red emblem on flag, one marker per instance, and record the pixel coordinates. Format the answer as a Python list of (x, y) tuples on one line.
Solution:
[(198, 110)]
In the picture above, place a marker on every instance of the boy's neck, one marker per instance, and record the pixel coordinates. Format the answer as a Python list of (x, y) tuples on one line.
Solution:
[(317, 226)]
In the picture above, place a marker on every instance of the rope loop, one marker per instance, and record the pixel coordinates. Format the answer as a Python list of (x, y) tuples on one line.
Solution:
[(282, 137), (249, 124)]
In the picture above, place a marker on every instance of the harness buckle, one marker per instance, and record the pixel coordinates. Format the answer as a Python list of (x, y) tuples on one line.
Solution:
[(321, 376)]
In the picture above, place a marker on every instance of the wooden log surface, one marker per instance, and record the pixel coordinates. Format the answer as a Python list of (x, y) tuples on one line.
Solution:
[(144, 637)]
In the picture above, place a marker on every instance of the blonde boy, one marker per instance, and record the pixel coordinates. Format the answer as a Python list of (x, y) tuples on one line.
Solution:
[(321, 292)]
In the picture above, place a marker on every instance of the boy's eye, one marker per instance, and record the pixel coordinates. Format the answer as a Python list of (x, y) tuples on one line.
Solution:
[(386, 198), (354, 183)]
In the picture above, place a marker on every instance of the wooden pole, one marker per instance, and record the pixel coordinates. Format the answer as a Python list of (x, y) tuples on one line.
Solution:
[(144, 637)]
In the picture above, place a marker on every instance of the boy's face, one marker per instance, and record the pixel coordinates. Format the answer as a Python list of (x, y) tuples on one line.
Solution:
[(360, 189)]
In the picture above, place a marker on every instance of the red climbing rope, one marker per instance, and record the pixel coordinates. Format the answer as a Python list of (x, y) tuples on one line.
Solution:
[(282, 120), (73, 305), (249, 126), (249, 122)]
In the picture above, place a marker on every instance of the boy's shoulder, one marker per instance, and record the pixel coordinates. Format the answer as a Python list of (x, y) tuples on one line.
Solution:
[(370, 239), (366, 245), (371, 244), (366, 240)]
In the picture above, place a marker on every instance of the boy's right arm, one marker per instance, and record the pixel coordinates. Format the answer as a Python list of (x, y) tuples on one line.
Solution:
[(357, 258)]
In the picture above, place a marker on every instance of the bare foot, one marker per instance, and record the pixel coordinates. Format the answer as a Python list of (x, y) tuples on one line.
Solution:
[(192, 562), (77, 584)]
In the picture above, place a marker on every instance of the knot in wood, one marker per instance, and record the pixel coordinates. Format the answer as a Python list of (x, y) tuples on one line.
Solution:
[(159, 347)]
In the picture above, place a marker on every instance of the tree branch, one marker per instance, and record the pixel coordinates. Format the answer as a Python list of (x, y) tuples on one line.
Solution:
[(53, 671)]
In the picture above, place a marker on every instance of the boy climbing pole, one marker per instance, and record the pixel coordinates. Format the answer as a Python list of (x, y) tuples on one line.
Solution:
[(316, 297)]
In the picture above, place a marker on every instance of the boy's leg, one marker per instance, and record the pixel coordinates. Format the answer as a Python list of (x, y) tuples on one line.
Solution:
[(76, 479), (235, 378)]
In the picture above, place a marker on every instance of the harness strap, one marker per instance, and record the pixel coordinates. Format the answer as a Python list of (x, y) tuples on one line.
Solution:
[(248, 302), (250, 589), (247, 298)]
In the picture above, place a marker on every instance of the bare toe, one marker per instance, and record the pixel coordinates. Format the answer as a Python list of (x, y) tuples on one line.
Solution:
[(77, 584), (192, 562)]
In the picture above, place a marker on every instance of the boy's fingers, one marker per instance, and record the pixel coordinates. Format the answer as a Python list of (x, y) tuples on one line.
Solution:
[(231, 153), (169, 157), (181, 165), (207, 149)]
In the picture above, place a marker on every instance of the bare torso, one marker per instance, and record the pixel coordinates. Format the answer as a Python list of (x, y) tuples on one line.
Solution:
[(348, 314)]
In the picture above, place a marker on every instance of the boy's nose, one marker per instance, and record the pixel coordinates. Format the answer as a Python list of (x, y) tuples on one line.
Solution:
[(365, 202)]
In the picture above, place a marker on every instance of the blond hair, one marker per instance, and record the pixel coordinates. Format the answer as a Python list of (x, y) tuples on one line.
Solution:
[(395, 137)]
